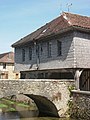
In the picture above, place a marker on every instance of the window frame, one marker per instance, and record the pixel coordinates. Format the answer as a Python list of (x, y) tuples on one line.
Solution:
[(49, 49), (30, 53), (37, 50), (59, 48), (4, 65), (23, 54)]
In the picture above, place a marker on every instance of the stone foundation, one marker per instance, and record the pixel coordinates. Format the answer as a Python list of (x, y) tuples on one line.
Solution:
[(80, 105)]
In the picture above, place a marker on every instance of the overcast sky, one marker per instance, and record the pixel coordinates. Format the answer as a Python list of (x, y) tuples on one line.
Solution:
[(21, 17)]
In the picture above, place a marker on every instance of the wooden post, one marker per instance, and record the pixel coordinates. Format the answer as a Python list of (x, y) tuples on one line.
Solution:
[(77, 77)]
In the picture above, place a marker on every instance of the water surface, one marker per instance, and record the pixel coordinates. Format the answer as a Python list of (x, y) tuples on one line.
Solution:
[(10, 110)]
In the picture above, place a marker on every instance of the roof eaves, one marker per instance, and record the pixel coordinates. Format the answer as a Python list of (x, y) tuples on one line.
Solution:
[(47, 36), (83, 29), (6, 62)]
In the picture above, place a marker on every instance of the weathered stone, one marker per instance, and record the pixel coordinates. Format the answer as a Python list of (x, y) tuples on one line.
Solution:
[(54, 90), (80, 107)]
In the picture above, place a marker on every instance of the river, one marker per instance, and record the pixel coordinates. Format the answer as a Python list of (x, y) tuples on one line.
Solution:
[(15, 116), (10, 110)]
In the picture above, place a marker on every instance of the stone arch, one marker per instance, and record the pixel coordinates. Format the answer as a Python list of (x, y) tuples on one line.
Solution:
[(44, 105)]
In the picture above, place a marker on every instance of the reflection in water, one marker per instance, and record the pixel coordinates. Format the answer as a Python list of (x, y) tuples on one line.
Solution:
[(9, 116), (46, 118), (16, 116), (26, 112), (20, 112)]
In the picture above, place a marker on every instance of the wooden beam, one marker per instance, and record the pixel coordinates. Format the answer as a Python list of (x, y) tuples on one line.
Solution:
[(77, 78)]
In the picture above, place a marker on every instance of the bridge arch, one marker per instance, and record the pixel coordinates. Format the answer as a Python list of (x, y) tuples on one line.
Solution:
[(44, 105)]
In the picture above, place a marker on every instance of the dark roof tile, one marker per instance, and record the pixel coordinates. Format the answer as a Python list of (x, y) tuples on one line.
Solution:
[(55, 27)]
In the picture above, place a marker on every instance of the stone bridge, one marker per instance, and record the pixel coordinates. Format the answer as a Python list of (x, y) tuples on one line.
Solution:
[(50, 96)]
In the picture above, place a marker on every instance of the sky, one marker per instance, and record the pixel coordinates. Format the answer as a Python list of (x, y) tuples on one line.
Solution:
[(19, 18)]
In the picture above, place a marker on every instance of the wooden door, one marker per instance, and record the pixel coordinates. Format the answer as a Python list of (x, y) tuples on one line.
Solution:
[(85, 80)]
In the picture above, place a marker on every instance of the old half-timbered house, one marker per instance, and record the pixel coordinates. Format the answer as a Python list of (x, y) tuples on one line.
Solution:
[(58, 50)]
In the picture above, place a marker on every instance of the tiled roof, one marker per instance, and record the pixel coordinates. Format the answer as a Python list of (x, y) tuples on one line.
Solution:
[(64, 22), (7, 57), (78, 20)]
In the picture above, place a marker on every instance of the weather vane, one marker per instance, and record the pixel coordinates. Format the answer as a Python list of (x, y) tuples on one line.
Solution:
[(68, 6)]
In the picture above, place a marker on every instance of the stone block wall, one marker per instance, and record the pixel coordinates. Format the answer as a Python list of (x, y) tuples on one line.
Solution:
[(80, 105)]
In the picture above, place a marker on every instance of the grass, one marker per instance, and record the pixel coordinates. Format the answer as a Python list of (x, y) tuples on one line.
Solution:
[(3, 106), (23, 105), (5, 103), (11, 110), (9, 101)]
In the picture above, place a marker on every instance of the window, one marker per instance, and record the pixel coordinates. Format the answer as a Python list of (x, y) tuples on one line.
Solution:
[(37, 50), (59, 48), (4, 65), (41, 49), (30, 53), (23, 75), (23, 55), (17, 75), (49, 49)]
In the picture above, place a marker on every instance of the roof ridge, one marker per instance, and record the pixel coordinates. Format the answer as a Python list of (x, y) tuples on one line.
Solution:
[(66, 18), (75, 14)]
